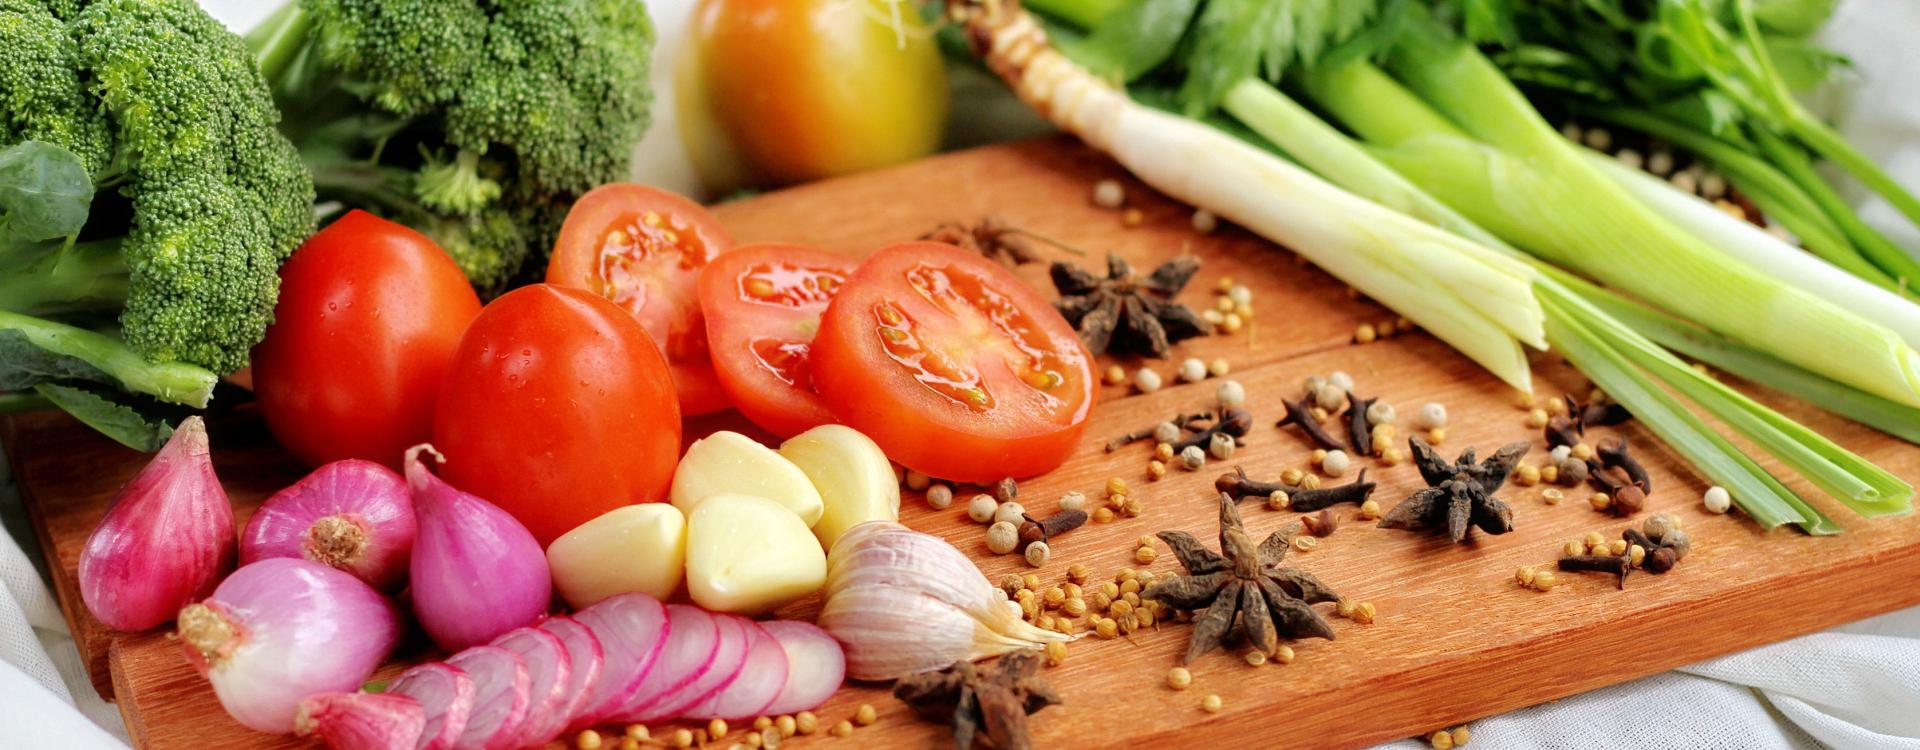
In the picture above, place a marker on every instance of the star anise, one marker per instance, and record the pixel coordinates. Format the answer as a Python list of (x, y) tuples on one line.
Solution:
[(994, 238), (1241, 591), (1125, 315), (975, 699), (1458, 493)]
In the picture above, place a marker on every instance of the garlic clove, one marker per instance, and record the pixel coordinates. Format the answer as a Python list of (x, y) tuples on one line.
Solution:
[(732, 463), (635, 548), (854, 478), (892, 632), (167, 538), (748, 555)]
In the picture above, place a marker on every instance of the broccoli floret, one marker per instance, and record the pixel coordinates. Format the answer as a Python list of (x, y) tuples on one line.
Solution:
[(476, 123), (143, 178)]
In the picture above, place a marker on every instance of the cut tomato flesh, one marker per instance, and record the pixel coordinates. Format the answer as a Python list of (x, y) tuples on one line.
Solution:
[(764, 304)]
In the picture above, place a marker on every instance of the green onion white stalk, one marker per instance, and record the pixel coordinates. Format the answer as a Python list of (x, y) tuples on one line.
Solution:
[(1476, 300)]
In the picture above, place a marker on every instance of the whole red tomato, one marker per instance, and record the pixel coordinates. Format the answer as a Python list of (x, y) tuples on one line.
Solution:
[(558, 408), (369, 313)]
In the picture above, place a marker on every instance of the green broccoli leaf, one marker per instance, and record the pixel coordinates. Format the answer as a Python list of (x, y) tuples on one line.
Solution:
[(24, 365), (35, 351), (44, 192), (125, 424)]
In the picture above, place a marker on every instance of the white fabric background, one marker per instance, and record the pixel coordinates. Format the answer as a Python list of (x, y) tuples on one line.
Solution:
[(1856, 686)]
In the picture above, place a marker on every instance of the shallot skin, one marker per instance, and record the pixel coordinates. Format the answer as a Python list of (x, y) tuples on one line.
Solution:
[(282, 629), (361, 721), (354, 515), (166, 539), (476, 573)]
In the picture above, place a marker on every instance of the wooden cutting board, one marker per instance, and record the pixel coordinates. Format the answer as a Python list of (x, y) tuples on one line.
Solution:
[(1456, 638)]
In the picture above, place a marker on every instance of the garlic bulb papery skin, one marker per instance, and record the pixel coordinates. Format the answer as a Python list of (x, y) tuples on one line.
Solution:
[(901, 602), (166, 540)]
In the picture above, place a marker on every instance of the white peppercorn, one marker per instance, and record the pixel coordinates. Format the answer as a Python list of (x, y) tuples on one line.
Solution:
[(1146, 380), (1560, 453), (1204, 221), (1012, 513), (1432, 415), (1341, 380), (1075, 500), (1221, 445), (1329, 397), (917, 481), (1230, 393), (1335, 464), (1166, 432), (1380, 412), (1002, 537), (982, 507), (1193, 370), (1240, 295), (1109, 194), (1037, 554), (1313, 383), (1192, 458), (1717, 499), (939, 497), (1660, 163)]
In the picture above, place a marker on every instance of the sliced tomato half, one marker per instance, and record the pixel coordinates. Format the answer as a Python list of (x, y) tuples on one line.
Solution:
[(643, 248), (763, 304), (954, 366)]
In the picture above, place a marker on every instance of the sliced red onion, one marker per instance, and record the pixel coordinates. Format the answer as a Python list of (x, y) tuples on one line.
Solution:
[(353, 515), (549, 671), (165, 541), (633, 630), (692, 638), (585, 659), (762, 675), (361, 721), (500, 699), (282, 629), (729, 654), (445, 694), (815, 666), (476, 572)]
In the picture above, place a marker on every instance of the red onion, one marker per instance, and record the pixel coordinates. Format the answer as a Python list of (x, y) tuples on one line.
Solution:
[(446, 695), (632, 629), (500, 700), (353, 515), (583, 651), (762, 675), (361, 721), (729, 654), (282, 629), (548, 673), (693, 636), (476, 572), (816, 666), (165, 541)]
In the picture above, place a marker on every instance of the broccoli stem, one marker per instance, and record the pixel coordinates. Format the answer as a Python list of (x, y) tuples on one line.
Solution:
[(279, 39), (173, 382), (64, 278)]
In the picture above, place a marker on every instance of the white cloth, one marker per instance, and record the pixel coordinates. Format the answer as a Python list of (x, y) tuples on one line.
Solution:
[(1856, 686)]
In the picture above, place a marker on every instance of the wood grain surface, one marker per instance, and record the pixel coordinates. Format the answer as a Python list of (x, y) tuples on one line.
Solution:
[(1456, 638)]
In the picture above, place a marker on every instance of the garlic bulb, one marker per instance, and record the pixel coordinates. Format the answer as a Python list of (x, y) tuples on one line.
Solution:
[(903, 602)]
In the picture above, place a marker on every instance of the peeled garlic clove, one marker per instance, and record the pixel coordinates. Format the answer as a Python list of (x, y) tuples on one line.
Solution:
[(748, 555), (729, 462), (635, 548), (166, 540), (852, 474)]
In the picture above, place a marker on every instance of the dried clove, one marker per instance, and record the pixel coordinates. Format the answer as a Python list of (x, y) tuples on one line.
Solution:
[(1239, 486), (1562, 431), (1300, 416), (1614, 453), (1664, 551), (1618, 566), (1045, 529), (1318, 524), (1359, 428), (1235, 423), (1183, 421), (988, 706)]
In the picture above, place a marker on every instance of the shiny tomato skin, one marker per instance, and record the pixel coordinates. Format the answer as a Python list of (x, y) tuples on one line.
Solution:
[(954, 392), (558, 408), (763, 303), (654, 278), (368, 317)]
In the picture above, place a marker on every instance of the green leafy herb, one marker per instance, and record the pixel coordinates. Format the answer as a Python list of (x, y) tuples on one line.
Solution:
[(110, 416)]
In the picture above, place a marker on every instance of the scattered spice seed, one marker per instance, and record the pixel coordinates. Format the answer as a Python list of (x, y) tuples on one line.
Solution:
[(1078, 573), (638, 732), (1211, 704), (1283, 654), (1432, 415), (1600, 501), (1037, 554), (1132, 217), (1441, 740), (1551, 496), (1335, 464), (684, 737), (1305, 543), (1075, 500), (784, 725), (1369, 510), (1717, 500), (1116, 375), (1109, 194), (1461, 736), (1056, 653), (1573, 548), (1256, 658), (1192, 458), (1146, 380), (843, 729), (939, 497), (1179, 678), (1163, 451), (1145, 555), (587, 740), (805, 722), (1526, 475), (1009, 512), (1103, 515), (1156, 469), (1279, 500), (1002, 537), (1218, 367), (1364, 334), (1204, 221), (1230, 393), (1221, 446), (1193, 370), (717, 729), (982, 508), (865, 715)]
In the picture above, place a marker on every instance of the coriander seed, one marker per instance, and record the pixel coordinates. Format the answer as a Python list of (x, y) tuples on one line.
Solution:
[(1341, 380), (1211, 704), (1030, 581), (1116, 486), (1204, 221), (1056, 653), (1193, 370), (1636, 554), (1460, 736), (1552, 496), (1103, 515), (717, 729), (1283, 654), (1526, 475), (805, 722), (865, 715), (1163, 451), (1145, 555), (1364, 334), (1156, 470), (682, 737), (1106, 629), (1524, 574), (1617, 547), (1437, 435), (638, 732), (1550, 474), (1441, 740), (1573, 548), (1233, 322), (843, 729), (1600, 501), (917, 481), (1078, 573), (1582, 451), (783, 724), (1279, 500), (1544, 580), (1305, 543), (1132, 217), (587, 740), (1370, 510), (1595, 539), (1179, 678), (1291, 475), (1318, 456)]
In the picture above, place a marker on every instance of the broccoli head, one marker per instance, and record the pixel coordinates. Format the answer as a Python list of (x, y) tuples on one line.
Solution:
[(475, 122), (143, 178)]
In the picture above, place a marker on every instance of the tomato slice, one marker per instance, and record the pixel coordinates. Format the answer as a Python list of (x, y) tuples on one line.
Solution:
[(952, 365), (643, 248), (763, 304)]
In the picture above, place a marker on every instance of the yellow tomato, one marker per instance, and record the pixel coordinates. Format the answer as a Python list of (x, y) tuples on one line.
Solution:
[(773, 92)]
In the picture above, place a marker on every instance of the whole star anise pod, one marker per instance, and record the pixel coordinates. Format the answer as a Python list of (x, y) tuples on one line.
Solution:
[(1241, 590), (1458, 494), (974, 699), (1126, 315)]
